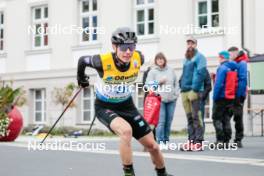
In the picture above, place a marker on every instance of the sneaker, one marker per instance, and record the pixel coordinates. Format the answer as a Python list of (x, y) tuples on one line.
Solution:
[(197, 147), (187, 146)]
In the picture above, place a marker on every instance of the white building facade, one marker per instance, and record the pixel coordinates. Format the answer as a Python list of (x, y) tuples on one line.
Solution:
[(42, 40)]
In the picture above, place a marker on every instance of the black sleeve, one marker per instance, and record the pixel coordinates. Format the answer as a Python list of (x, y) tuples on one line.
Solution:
[(89, 61), (145, 75), (180, 82), (141, 57), (207, 85)]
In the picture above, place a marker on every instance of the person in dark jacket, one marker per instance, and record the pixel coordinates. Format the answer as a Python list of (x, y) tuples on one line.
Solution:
[(241, 59), (191, 85), (222, 105), (145, 75), (204, 96)]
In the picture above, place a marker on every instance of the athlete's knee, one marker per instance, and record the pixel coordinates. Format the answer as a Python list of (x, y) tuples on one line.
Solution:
[(126, 134), (152, 147)]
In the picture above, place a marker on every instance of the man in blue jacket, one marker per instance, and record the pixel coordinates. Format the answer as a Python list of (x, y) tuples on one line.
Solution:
[(192, 85), (241, 59), (222, 105)]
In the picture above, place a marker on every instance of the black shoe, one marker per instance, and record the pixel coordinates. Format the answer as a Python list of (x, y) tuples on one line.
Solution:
[(217, 145), (239, 144), (226, 145)]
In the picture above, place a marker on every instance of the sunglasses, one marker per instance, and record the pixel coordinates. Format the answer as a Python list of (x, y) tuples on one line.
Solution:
[(124, 47)]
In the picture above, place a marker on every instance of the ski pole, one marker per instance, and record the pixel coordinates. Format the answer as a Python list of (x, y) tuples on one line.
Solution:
[(91, 125), (73, 98)]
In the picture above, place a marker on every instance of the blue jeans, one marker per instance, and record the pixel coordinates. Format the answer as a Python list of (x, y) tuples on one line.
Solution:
[(164, 126)]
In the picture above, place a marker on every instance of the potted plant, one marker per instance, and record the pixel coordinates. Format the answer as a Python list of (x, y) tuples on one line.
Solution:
[(11, 120)]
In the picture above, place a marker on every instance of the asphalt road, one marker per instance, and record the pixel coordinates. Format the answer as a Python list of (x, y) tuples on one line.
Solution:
[(18, 160)]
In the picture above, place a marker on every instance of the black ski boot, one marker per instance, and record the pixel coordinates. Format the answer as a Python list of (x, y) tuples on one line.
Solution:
[(162, 172), (129, 171)]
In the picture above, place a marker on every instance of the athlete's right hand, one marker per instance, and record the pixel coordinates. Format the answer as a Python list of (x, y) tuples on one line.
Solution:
[(83, 81)]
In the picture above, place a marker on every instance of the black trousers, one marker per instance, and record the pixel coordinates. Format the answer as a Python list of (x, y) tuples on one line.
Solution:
[(221, 119), (237, 111)]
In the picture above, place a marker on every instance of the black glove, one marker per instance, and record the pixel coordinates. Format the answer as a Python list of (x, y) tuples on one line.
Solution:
[(83, 81)]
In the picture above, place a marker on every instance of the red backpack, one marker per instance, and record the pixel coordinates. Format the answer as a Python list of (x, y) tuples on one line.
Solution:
[(152, 108), (231, 85)]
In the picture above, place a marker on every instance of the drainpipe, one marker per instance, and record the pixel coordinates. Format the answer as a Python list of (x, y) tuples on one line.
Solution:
[(243, 29), (248, 53)]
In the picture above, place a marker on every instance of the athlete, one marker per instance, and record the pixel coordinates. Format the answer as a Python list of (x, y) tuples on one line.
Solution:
[(114, 106)]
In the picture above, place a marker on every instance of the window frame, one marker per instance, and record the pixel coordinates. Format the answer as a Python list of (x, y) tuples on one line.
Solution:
[(91, 99), (90, 14), (146, 6), (42, 21), (43, 110), (209, 15), (137, 95)]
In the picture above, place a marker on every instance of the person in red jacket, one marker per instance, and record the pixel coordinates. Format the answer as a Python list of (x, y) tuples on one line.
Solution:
[(222, 101), (241, 59)]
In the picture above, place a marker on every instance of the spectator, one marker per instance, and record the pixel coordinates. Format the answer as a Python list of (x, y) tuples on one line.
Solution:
[(241, 59), (191, 84), (145, 75), (166, 78), (222, 105)]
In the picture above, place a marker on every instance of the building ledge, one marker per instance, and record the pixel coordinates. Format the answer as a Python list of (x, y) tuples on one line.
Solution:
[(38, 51), (95, 45), (3, 54), (148, 39)]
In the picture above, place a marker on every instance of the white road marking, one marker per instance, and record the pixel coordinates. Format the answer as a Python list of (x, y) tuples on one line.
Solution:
[(217, 159)]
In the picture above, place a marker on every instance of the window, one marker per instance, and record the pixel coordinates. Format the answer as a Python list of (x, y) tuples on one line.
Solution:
[(39, 105), (145, 17), (89, 20), (208, 13), (87, 104), (1, 31), (40, 24)]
